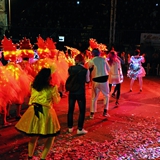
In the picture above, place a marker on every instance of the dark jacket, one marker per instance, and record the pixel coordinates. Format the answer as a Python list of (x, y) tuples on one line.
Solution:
[(81, 77)]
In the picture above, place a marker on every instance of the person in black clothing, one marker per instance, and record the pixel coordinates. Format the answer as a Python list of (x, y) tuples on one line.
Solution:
[(79, 95)]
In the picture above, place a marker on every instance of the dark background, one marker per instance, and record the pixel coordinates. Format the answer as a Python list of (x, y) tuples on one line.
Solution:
[(79, 22)]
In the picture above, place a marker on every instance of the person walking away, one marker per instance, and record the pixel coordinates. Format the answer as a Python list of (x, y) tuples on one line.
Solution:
[(115, 73), (40, 119), (121, 58), (100, 83), (79, 95)]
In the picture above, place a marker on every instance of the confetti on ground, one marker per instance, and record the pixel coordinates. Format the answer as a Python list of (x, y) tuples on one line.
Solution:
[(139, 139)]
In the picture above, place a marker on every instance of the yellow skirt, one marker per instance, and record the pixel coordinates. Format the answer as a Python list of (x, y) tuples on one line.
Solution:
[(46, 125)]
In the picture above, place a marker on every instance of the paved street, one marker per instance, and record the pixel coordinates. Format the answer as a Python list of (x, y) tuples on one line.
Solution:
[(132, 132)]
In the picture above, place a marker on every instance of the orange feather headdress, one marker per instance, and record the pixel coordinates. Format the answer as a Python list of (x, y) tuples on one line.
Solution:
[(26, 48), (9, 50), (42, 50), (51, 45)]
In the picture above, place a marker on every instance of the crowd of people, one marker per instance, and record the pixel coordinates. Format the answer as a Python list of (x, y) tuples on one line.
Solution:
[(42, 79), (38, 73)]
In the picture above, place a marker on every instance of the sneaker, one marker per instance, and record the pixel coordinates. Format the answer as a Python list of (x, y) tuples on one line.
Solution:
[(83, 131), (92, 115), (70, 130)]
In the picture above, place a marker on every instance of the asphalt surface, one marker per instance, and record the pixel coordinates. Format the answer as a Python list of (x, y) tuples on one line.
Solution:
[(135, 122)]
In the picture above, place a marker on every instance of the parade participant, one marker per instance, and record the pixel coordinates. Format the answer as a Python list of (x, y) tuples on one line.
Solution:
[(136, 70), (26, 52), (115, 73), (62, 66), (48, 59), (40, 119), (121, 58), (99, 76), (8, 93), (79, 95), (21, 78)]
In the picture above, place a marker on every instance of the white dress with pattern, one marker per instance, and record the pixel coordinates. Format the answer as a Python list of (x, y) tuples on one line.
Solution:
[(135, 67)]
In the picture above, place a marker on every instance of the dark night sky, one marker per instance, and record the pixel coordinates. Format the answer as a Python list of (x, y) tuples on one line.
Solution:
[(66, 14), (17, 6)]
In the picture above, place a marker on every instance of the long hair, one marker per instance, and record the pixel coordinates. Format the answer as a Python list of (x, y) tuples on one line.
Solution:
[(112, 56), (42, 80)]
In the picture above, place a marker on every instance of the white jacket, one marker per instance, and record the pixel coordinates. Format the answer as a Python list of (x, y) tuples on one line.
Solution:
[(100, 67), (115, 74)]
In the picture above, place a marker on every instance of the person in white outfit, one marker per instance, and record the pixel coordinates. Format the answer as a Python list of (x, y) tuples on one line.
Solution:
[(135, 69), (115, 74), (100, 83)]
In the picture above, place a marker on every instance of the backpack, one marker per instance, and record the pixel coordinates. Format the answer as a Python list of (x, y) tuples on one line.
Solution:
[(72, 84)]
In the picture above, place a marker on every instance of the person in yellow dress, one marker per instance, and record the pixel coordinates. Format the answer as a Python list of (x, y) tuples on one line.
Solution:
[(40, 119)]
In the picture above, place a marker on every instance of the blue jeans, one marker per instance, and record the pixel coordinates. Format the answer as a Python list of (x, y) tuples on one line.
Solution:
[(81, 100)]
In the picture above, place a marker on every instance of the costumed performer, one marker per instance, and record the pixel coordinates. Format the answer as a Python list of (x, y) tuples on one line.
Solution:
[(40, 119), (26, 52), (45, 61), (21, 78), (61, 61), (136, 69), (8, 93)]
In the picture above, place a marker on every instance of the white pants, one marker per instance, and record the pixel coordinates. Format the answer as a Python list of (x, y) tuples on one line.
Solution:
[(96, 89)]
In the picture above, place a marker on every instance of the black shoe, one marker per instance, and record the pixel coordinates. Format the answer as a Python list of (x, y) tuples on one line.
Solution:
[(140, 90), (116, 103), (18, 118), (130, 90), (105, 114), (92, 115), (113, 95)]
